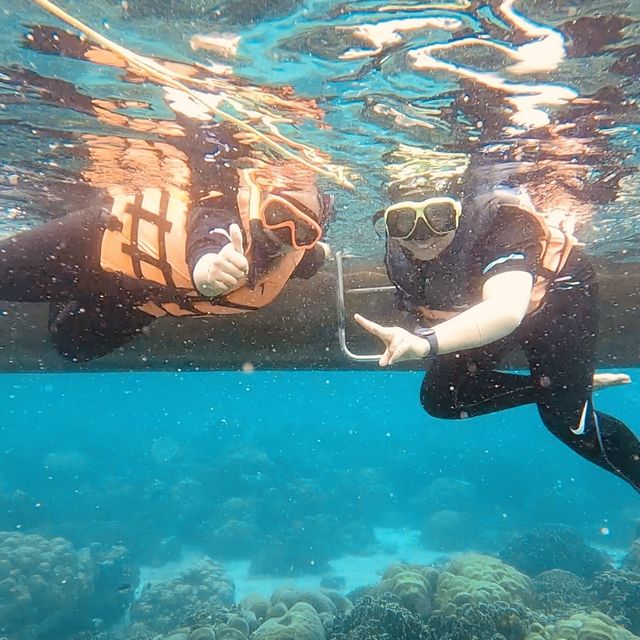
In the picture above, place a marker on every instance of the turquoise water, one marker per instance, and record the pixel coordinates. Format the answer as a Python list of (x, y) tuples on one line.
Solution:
[(150, 505), (344, 469)]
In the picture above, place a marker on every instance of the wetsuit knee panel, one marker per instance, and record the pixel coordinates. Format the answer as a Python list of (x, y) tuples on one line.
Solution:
[(438, 399)]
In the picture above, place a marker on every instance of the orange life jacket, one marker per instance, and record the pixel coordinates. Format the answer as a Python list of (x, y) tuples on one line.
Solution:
[(555, 247), (146, 239)]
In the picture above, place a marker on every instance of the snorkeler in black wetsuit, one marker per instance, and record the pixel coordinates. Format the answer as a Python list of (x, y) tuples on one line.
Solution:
[(194, 220), (102, 293), (501, 278)]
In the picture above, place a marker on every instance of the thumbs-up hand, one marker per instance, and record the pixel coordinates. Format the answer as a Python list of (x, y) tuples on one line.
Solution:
[(218, 273)]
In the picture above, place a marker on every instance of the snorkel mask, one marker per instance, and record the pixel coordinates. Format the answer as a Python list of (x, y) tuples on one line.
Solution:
[(441, 215), (281, 211), (281, 221)]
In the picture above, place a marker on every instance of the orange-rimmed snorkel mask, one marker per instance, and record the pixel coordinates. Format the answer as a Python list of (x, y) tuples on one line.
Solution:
[(276, 212)]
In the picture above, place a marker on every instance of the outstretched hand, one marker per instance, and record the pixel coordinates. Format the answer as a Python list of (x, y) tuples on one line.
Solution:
[(399, 343), (218, 273)]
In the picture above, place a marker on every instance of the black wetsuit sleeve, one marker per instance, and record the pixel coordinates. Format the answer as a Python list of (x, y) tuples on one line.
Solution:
[(207, 232), (310, 264), (513, 244)]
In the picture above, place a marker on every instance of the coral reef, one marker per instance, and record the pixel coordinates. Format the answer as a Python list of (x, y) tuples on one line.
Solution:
[(297, 547), (379, 619), (581, 626), (559, 592), (483, 621), (412, 585), (617, 593), (470, 597), (474, 578), (42, 583), (448, 530), (234, 538), (554, 547), (163, 606), (115, 578)]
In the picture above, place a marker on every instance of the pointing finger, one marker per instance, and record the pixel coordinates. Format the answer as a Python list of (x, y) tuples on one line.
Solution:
[(372, 327)]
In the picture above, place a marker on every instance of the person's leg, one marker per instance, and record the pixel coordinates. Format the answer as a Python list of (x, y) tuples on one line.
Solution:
[(562, 361), (50, 260), (88, 329), (467, 384), (91, 312)]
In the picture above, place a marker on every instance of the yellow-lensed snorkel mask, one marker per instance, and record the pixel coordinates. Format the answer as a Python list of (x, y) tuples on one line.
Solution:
[(440, 214)]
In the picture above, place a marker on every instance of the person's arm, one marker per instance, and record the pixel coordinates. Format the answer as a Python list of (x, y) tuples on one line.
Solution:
[(214, 251), (505, 301)]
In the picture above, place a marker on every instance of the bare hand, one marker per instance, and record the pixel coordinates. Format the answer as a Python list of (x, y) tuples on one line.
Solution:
[(400, 344), (218, 273)]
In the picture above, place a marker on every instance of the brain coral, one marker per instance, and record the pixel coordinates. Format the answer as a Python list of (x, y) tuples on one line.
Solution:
[(582, 626), (473, 578), (412, 585), (301, 622), (40, 578), (162, 606)]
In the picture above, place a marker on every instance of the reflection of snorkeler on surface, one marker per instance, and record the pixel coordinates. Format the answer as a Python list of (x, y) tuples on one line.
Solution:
[(505, 279), (195, 220)]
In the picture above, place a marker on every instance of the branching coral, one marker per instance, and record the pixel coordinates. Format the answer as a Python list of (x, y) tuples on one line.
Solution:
[(473, 578), (484, 621), (554, 547), (380, 619), (617, 594), (560, 592)]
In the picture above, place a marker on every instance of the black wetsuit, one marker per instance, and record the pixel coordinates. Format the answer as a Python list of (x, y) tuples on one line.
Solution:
[(93, 311), (559, 339)]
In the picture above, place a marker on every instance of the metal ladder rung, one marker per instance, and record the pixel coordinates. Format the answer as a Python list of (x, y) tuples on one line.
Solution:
[(371, 289), (342, 312)]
